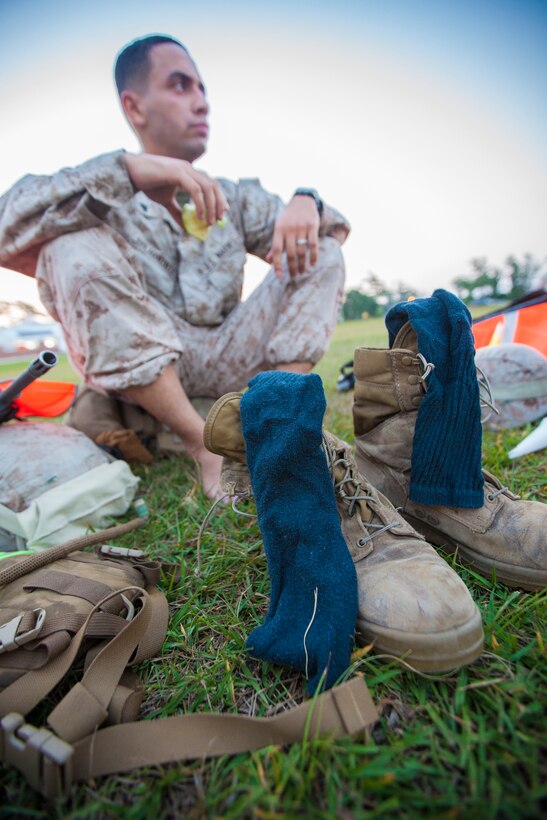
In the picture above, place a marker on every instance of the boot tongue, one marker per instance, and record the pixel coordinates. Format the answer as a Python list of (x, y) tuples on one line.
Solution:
[(223, 434), (406, 339)]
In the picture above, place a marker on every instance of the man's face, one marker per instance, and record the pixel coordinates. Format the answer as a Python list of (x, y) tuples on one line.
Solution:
[(173, 104)]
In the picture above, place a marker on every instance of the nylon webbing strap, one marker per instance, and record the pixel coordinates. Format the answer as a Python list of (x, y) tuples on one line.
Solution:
[(344, 710), (86, 705), (51, 765), (31, 688)]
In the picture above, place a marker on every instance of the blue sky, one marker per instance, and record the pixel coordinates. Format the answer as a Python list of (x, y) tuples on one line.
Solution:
[(424, 121), (496, 47)]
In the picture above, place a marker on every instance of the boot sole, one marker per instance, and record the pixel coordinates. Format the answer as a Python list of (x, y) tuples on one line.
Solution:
[(428, 652), (521, 577)]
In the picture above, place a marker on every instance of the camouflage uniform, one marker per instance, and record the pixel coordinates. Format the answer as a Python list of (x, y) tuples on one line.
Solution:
[(134, 292)]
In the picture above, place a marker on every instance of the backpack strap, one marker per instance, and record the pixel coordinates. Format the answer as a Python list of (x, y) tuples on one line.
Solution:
[(78, 751), (51, 765), (26, 692), (343, 710), (86, 706)]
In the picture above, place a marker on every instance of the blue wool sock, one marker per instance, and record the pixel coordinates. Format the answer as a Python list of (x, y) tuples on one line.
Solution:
[(446, 462), (313, 605)]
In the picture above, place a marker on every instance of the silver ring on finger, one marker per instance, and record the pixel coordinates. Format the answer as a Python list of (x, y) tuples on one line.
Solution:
[(301, 242)]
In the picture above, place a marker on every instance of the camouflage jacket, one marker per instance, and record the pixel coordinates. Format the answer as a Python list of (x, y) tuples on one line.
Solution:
[(200, 281)]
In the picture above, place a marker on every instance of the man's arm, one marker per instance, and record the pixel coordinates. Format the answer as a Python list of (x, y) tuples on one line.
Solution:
[(271, 229), (40, 208)]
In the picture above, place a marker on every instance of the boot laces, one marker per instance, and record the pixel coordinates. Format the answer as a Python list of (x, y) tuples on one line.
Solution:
[(485, 390), (485, 395), (428, 367), (335, 460), (494, 482), (492, 496)]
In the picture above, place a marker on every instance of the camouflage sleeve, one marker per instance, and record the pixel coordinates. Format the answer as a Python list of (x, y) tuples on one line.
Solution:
[(258, 210), (39, 208), (333, 223)]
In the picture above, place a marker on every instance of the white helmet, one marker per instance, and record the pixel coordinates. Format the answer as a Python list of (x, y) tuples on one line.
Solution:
[(518, 378)]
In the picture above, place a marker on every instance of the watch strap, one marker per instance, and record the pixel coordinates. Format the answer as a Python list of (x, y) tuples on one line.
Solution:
[(311, 192)]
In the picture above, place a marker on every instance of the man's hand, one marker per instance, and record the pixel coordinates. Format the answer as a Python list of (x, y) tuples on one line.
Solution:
[(161, 177), (296, 232)]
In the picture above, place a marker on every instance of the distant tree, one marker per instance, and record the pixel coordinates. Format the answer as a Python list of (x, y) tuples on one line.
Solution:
[(373, 297), (488, 278), (464, 288), (375, 287), (522, 274), (514, 280), (357, 303), (402, 293)]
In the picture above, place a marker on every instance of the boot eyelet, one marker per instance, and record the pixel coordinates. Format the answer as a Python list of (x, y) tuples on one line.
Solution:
[(489, 497), (361, 542)]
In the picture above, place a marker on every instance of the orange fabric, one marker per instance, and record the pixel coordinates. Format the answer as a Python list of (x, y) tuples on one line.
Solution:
[(43, 398), (531, 328), (482, 331)]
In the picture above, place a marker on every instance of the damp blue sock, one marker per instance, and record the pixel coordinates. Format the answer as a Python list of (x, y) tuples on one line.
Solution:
[(446, 463), (313, 606)]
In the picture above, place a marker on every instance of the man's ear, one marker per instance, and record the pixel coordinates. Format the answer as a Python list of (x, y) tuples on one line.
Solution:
[(132, 108)]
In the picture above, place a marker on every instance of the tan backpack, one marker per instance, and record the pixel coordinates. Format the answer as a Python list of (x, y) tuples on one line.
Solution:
[(103, 611)]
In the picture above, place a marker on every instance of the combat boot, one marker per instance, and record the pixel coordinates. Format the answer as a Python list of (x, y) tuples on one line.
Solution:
[(505, 538), (411, 603)]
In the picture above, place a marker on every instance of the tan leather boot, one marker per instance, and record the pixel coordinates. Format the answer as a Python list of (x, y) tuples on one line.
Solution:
[(506, 537), (411, 602)]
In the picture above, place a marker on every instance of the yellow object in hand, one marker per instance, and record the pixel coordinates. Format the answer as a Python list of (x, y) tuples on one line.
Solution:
[(194, 226)]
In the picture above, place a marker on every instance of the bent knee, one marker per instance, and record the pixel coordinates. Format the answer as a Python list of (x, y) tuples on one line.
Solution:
[(67, 263), (78, 250), (330, 262), (330, 251)]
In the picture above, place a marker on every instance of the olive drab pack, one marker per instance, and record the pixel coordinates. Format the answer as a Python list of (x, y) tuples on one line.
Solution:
[(102, 612)]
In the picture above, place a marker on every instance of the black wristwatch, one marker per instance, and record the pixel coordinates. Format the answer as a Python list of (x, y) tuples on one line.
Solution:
[(314, 195)]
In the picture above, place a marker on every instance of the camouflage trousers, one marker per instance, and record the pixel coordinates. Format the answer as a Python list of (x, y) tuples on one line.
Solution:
[(120, 332)]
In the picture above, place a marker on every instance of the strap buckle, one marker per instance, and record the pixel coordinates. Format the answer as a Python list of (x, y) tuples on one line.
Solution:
[(123, 552), (10, 640), (42, 757)]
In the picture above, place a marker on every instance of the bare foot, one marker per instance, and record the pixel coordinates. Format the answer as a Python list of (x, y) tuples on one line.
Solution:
[(209, 465)]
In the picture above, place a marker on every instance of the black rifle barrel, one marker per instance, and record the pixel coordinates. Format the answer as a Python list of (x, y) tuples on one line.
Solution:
[(44, 362)]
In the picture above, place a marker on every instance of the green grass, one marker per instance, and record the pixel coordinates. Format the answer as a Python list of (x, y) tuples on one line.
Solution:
[(466, 745), (62, 372)]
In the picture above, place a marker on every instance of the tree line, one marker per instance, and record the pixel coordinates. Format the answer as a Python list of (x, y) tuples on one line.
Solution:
[(486, 283)]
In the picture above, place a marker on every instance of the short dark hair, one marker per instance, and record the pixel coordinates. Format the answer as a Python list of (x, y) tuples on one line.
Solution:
[(133, 62)]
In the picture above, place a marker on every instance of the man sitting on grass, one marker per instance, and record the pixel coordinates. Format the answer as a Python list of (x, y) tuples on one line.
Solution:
[(152, 314)]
